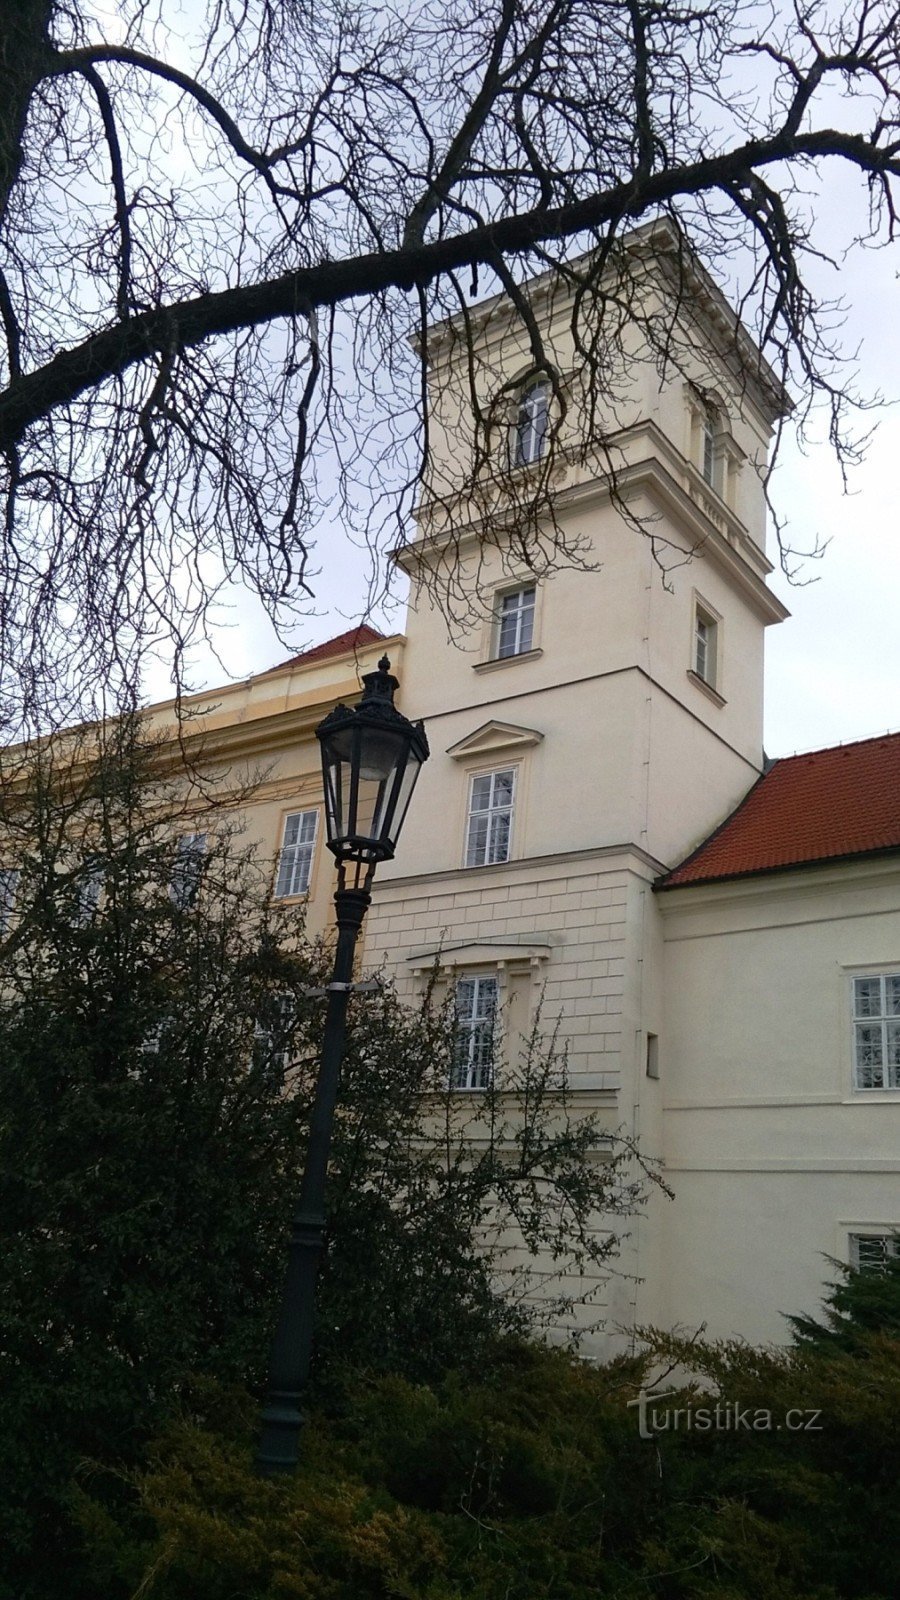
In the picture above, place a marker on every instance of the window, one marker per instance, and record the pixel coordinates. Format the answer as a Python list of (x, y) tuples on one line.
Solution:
[(652, 1055), (272, 1033), (9, 883), (532, 424), (876, 1031), (490, 818), (706, 632), (708, 431), (153, 1038), (295, 861), (515, 622), (476, 1010), (185, 880), (87, 893), (871, 1252)]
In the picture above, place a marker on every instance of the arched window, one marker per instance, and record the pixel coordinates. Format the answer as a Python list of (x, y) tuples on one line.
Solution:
[(532, 423)]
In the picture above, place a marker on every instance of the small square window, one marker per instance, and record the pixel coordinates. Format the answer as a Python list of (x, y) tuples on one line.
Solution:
[(489, 828), (476, 1012), (876, 1031), (298, 843), (515, 623)]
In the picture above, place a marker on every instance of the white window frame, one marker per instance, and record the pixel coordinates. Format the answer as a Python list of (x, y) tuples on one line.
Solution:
[(493, 812), (293, 872), (187, 868), (523, 614), (706, 648), (9, 888), (477, 1000), (885, 1022), (860, 1243), (532, 423)]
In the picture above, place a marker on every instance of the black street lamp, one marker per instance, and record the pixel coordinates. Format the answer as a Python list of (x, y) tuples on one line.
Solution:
[(371, 757)]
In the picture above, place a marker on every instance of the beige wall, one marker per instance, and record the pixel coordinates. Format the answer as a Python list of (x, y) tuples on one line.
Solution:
[(774, 1157), (257, 739)]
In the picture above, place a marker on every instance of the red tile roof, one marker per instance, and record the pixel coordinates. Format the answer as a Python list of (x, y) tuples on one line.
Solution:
[(353, 639), (831, 803)]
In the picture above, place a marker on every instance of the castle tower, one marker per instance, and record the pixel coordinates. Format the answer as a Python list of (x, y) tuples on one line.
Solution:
[(591, 718)]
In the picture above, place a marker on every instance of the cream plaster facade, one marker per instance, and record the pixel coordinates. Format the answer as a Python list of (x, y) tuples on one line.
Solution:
[(256, 740), (625, 759)]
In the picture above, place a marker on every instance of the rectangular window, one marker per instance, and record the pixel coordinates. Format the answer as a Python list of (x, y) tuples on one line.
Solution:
[(87, 893), (476, 1010), (876, 1031), (515, 623), (9, 884), (532, 425), (708, 442), (295, 860), (652, 1055), (272, 1034), (870, 1252), (185, 880), (490, 818), (705, 642)]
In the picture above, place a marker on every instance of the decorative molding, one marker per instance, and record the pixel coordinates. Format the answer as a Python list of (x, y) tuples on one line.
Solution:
[(502, 954), (506, 661), (701, 683), (492, 738)]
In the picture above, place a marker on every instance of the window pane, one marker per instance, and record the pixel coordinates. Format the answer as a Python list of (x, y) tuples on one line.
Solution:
[(892, 994), (709, 450), (869, 1056), (476, 846), (508, 641), (481, 792), (870, 1252), (892, 1030), (499, 842), (867, 997), (503, 788)]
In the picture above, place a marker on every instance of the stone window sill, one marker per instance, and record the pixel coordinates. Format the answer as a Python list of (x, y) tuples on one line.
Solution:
[(505, 661), (701, 683)]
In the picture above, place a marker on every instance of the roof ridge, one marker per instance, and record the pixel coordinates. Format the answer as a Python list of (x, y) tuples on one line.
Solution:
[(827, 749)]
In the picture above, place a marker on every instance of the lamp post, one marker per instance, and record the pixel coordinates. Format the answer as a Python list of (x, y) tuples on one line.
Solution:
[(371, 757)]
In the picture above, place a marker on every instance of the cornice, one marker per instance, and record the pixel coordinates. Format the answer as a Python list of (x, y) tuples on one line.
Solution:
[(620, 857), (659, 249), (786, 885), (717, 534)]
